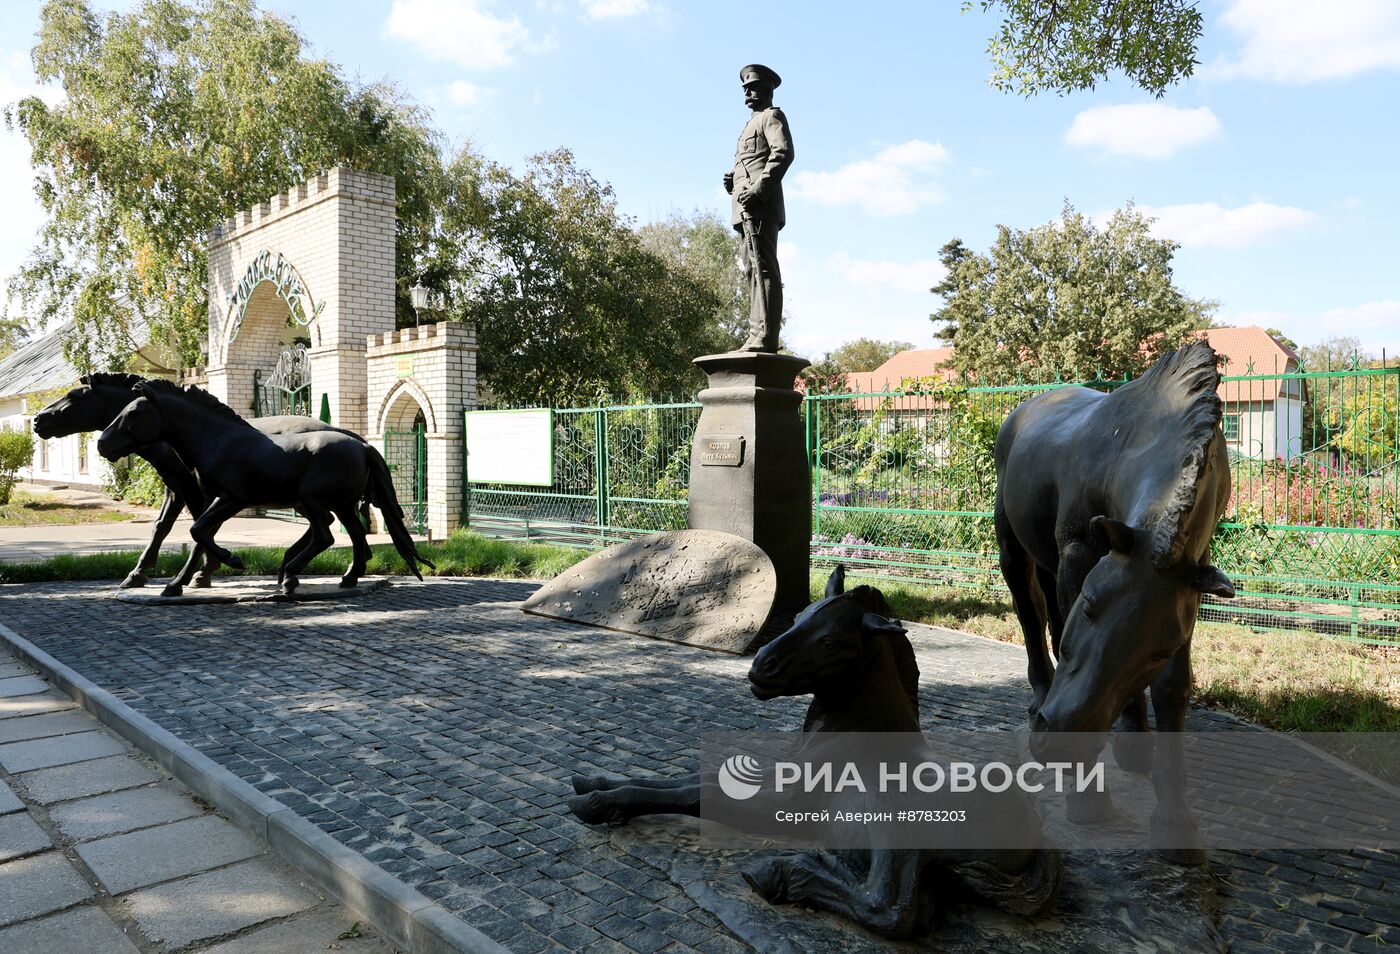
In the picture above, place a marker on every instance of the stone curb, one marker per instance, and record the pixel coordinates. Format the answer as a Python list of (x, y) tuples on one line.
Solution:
[(402, 913)]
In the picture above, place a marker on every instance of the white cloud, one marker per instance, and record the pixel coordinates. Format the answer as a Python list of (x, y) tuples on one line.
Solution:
[(916, 276), (897, 181), (464, 32), (1300, 41), (1147, 130), (464, 94), (1376, 323), (613, 9), (1207, 224)]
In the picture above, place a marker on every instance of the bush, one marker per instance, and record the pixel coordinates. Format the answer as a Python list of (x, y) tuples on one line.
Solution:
[(136, 481), (16, 451)]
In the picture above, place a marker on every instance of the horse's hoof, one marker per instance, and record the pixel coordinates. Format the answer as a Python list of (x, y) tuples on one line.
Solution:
[(133, 580), (1089, 808), (583, 784), (233, 561), (768, 880), (349, 582), (202, 582), (289, 586), (1133, 751), (597, 808), (1175, 837), (172, 589)]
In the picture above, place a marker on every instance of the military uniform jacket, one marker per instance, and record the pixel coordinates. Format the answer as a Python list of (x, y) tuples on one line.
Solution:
[(763, 155)]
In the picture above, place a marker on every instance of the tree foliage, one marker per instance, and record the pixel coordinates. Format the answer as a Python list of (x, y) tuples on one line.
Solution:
[(569, 303), (16, 451), (704, 246), (1066, 298), (174, 116), (862, 354), (1064, 46)]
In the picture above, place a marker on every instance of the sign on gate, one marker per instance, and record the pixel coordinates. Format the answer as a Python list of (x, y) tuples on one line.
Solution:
[(510, 447)]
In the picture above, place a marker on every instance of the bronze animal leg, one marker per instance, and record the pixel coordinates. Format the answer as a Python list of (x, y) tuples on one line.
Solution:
[(321, 538), (1018, 569), (1132, 741), (203, 534), (140, 575), (618, 806), (1173, 832), (887, 900), (359, 543), (291, 551)]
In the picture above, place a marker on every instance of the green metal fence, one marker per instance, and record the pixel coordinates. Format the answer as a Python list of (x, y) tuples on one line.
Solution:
[(903, 482), (406, 453)]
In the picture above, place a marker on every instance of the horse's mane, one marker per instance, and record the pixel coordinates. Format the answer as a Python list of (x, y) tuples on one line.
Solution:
[(112, 379), (1184, 382), (197, 395)]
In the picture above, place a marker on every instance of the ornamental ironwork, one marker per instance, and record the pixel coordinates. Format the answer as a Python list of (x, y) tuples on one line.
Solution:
[(275, 268)]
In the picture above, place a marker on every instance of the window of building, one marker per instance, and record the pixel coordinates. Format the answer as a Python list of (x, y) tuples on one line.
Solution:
[(1232, 427), (82, 453)]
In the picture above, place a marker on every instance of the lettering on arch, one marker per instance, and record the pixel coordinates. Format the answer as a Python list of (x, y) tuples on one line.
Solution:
[(269, 267)]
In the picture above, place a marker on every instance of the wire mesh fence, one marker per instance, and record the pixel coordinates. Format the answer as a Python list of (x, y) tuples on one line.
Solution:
[(903, 483)]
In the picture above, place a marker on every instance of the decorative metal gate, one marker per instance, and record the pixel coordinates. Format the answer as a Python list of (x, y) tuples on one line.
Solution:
[(288, 389), (406, 453)]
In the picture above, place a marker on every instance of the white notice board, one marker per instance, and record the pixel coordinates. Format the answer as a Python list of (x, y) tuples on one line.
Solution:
[(510, 447)]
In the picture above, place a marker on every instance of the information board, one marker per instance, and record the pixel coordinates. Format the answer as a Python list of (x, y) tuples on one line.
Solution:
[(510, 447)]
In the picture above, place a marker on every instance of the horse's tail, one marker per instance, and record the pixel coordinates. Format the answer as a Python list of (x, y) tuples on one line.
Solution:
[(383, 496)]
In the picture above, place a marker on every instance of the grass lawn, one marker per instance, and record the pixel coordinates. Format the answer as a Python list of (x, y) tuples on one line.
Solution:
[(1285, 680), (27, 509)]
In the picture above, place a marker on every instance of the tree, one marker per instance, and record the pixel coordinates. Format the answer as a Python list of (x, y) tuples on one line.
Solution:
[(1066, 298), (175, 116), (16, 451), (705, 247), (1281, 338), (1064, 46), (569, 303), (862, 354)]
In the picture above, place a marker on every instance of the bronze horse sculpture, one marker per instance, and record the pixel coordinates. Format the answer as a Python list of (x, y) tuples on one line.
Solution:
[(320, 473), (859, 667), (1105, 508), (96, 402)]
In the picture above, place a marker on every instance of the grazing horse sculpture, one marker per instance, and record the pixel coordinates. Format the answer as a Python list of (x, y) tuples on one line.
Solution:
[(320, 473), (859, 667), (1105, 508), (96, 402)]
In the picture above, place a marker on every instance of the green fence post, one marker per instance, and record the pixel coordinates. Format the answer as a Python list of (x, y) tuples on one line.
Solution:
[(600, 469), (816, 442)]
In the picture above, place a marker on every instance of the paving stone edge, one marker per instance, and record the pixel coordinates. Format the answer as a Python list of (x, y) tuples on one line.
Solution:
[(404, 914)]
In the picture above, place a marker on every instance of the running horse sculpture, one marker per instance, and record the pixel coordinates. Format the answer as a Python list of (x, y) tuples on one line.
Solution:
[(859, 667), (1105, 508), (320, 473), (96, 402)]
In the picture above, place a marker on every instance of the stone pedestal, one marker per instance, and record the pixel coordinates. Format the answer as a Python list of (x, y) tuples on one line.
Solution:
[(749, 473)]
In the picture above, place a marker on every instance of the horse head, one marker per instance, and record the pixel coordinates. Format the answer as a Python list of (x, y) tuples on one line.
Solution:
[(89, 407), (138, 425), (1134, 612), (841, 649)]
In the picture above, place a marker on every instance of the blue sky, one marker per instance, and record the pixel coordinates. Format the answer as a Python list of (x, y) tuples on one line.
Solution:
[(1274, 166)]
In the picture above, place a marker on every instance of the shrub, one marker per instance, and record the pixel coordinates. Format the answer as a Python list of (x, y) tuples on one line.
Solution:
[(16, 451), (136, 481)]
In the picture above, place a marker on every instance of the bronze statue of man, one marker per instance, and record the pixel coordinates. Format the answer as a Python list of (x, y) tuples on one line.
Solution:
[(756, 209)]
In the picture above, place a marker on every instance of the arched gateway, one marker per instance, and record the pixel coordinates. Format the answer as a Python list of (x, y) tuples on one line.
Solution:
[(301, 306)]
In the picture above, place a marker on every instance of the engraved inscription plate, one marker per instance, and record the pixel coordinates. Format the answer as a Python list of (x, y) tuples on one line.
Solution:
[(701, 587), (720, 451)]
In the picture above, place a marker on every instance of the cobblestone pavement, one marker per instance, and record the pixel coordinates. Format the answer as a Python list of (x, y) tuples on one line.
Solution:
[(101, 852), (434, 727)]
